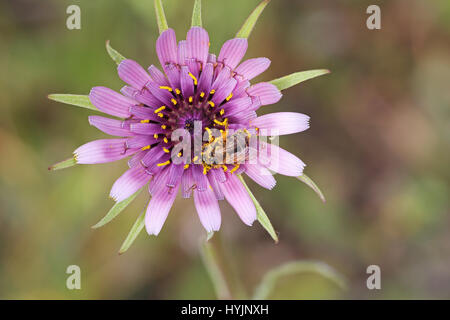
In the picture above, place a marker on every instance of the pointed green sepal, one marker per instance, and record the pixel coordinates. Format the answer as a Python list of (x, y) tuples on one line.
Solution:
[(114, 54), (115, 210), (274, 276), (263, 219), (63, 164), (134, 232), (197, 14), (160, 16), (296, 78), (209, 235), (74, 100), (249, 24), (308, 181)]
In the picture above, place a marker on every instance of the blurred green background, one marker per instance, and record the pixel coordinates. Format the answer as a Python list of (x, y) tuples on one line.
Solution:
[(378, 147)]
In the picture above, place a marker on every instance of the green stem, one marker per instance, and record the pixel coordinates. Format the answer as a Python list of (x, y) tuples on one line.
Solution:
[(222, 273)]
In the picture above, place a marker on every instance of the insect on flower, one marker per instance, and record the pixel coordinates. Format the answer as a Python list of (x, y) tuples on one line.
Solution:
[(203, 95)]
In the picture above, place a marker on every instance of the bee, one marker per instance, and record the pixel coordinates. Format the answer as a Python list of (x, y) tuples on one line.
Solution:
[(234, 149)]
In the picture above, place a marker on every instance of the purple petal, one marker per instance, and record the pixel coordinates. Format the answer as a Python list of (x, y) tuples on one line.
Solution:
[(187, 83), (260, 175), (163, 95), (213, 181), (280, 160), (198, 43), (141, 96), (224, 91), (173, 74), (183, 53), (113, 127), (146, 128), (139, 142), (102, 151), (158, 209), (252, 68), (212, 58), (187, 183), (130, 182), (133, 74), (232, 52), (223, 76), (239, 199), (159, 181), (266, 92), (166, 47), (208, 209), (144, 113), (205, 80), (237, 106), (111, 102), (136, 158), (200, 180), (157, 76), (174, 175), (281, 123)]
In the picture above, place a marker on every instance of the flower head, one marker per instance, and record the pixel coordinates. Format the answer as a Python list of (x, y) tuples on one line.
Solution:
[(188, 127)]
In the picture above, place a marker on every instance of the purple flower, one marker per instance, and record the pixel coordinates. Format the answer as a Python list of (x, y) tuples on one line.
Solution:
[(194, 87)]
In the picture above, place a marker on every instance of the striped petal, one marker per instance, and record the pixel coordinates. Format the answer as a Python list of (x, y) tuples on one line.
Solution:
[(281, 123), (132, 73), (102, 151), (280, 160), (113, 127), (198, 42), (158, 76), (158, 209), (130, 182), (251, 68), (239, 199), (232, 52), (208, 209), (266, 92), (167, 48), (260, 175), (111, 102), (224, 91)]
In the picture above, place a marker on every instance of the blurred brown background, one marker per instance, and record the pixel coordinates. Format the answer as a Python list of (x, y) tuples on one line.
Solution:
[(378, 147)]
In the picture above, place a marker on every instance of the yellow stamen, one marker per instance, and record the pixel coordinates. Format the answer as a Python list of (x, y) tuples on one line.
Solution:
[(222, 112), (163, 126), (209, 133), (179, 154), (174, 101), (146, 148), (186, 166), (160, 114), (145, 121), (229, 97), (160, 109), (193, 77), (163, 163), (191, 99), (205, 171), (155, 136), (211, 104), (177, 91), (225, 168), (166, 88), (166, 150), (202, 94), (219, 123), (212, 91), (235, 168), (195, 158), (166, 140)]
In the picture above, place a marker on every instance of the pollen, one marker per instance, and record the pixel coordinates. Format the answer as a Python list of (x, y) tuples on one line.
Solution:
[(186, 166), (177, 91), (155, 136), (191, 99), (160, 114), (166, 88), (166, 150), (145, 121), (211, 104), (166, 140), (174, 101), (229, 97), (146, 148), (202, 94), (160, 109), (162, 164), (194, 78), (235, 168), (163, 126), (212, 91), (222, 112)]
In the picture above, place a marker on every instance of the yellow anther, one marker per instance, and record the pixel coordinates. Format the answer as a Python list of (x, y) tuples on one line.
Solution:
[(235, 168), (191, 99), (146, 148), (212, 91), (160, 114), (202, 94), (195, 158), (222, 112), (145, 121), (163, 126), (219, 123), (163, 163), (177, 91), (166, 150), (155, 136), (160, 109), (211, 104), (229, 97), (179, 154), (186, 166), (193, 77), (173, 101), (225, 168), (209, 133), (205, 171), (166, 88), (166, 140)]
